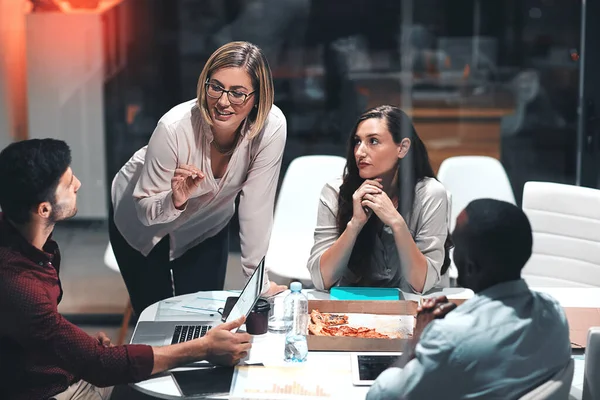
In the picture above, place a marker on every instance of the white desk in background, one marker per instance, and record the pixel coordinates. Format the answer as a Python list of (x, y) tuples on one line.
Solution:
[(164, 387)]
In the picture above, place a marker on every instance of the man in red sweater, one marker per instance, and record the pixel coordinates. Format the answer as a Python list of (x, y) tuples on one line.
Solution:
[(42, 355)]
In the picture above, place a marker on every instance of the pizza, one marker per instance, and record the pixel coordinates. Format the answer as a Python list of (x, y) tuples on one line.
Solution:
[(353, 332), (324, 324), (328, 319)]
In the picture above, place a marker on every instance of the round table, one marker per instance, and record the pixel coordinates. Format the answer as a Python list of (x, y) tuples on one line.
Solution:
[(163, 386)]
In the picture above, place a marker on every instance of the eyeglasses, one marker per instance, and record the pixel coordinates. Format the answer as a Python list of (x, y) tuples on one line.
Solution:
[(235, 97)]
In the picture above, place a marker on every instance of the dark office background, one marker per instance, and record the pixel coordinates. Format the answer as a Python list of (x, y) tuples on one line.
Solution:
[(499, 78), (332, 59)]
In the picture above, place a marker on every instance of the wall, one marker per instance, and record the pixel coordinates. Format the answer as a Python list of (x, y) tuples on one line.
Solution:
[(13, 87)]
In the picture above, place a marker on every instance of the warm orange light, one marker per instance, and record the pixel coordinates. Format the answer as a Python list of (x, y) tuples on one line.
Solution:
[(575, 56), (132, 111), (466, 71), (73, 6), (13, 69)]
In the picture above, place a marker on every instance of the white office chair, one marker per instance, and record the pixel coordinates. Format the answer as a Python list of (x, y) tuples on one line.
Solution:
[(111, 262), (591, 381), (109, 259), (556, 388), (449, 278), (565, 221), (472, 177), (296, 216)]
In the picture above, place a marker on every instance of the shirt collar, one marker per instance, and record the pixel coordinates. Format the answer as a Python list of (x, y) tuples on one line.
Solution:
[(497, 292), (505, 289), (13, 238)]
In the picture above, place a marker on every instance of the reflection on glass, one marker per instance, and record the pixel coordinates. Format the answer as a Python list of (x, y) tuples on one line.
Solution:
[(492, 78)]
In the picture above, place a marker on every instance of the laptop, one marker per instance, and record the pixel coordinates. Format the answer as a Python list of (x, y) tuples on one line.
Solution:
[(162, 333)]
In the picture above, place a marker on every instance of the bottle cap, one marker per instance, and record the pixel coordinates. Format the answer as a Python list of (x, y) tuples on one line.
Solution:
[(296, 286)]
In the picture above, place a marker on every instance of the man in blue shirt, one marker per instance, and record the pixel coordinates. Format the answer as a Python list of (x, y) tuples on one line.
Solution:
[(501, 343)]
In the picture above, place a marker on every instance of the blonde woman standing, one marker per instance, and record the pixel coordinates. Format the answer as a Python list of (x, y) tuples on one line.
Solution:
[(174, 198)]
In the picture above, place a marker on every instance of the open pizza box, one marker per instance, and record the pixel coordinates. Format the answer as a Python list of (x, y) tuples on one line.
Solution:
[(385, 316), (580, 321)]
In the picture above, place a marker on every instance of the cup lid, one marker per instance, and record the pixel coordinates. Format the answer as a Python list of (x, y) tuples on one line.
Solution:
[(261, 305)]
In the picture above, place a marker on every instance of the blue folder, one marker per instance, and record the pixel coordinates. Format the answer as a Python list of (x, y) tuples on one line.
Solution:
[(364, 293)]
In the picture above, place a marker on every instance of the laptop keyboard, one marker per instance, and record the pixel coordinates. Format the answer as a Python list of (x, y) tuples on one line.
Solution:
[(183, 333)]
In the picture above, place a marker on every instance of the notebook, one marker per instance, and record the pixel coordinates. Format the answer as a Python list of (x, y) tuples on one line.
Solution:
[(364, 293)]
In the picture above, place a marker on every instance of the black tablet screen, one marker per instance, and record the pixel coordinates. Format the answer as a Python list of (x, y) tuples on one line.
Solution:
[(204, 381)]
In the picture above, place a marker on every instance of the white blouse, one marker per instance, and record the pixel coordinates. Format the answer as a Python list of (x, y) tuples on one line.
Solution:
[(142, 196), (428, 225)]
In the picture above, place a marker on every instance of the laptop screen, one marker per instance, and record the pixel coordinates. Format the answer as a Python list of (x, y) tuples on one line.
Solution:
[(249, 295)]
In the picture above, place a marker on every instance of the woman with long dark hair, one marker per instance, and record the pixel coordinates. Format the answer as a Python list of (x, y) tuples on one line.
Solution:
[(386, 223)]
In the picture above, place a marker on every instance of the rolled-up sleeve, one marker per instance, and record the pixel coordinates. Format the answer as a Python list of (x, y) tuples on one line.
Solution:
[(33, 321), (257, 199), (426, 376), (326, 232), (152, 193), (432, 232)]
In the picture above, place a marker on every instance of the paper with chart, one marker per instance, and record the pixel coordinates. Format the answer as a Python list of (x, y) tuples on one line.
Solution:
[(287, 382), (204, 303)]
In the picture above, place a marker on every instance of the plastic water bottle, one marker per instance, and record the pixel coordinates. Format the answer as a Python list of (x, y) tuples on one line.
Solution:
[(296, 317)]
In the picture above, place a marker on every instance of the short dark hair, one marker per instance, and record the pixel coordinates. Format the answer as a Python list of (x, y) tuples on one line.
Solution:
[(497, 235), (29, 174)]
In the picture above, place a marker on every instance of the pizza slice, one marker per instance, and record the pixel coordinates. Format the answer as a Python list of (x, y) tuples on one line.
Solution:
[(325, 324), (315, 329), (330, 331), (372, 334), (335, 319), (328, 319), (316, 317), (347, 331)]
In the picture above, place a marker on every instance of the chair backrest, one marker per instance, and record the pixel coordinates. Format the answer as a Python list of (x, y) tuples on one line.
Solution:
[(565, 221), (452, 272), (109, 258), (556, 388), (474, 177), (591, 383), (296, 216)]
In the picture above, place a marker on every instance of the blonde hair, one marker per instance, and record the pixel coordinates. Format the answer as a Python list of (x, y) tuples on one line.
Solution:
[(251, 58)]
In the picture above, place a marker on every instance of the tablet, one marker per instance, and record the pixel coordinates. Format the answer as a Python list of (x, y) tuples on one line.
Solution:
[(243, 305), (366, 367), (204, 381)]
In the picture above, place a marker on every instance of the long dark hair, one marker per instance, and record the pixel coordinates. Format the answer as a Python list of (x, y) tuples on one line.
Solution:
[(413, 168)]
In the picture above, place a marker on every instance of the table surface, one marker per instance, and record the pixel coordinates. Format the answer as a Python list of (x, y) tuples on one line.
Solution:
[(163, 386)]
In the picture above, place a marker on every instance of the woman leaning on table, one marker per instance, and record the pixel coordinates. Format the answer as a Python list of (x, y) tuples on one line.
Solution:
[(365, 235), (174, 198)]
